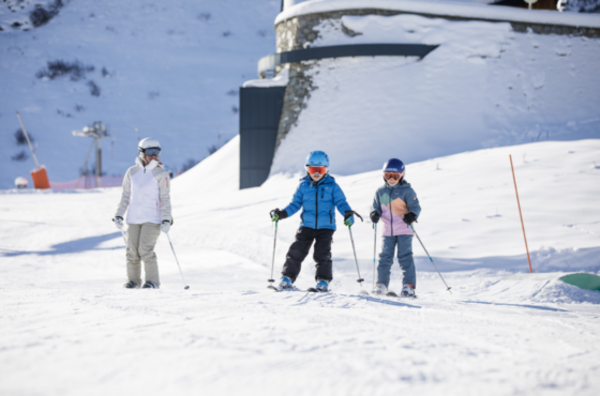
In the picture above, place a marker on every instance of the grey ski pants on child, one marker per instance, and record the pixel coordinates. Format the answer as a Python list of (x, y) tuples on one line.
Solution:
[(141, 239), (405, 258)]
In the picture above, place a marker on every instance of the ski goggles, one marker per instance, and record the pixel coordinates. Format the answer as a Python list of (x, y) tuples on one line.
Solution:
[(392, 175), (152, 151), (317, 169)]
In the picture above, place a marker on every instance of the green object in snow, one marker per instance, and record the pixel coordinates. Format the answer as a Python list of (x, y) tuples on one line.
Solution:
[(583, 281)]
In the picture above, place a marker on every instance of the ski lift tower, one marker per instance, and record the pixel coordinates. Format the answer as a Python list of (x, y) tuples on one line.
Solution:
[(98, 132)]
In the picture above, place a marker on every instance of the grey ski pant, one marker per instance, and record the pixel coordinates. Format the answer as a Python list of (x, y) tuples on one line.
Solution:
[(141, 239), (405, 258)]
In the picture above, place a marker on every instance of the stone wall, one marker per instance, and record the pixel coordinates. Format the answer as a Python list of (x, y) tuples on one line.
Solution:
[(299, 32)]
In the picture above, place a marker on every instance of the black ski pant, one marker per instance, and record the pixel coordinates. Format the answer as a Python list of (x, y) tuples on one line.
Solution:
[(299, 250)]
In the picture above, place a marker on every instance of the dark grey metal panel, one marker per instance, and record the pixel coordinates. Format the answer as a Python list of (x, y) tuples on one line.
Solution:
[(260, 111), (338, 51)]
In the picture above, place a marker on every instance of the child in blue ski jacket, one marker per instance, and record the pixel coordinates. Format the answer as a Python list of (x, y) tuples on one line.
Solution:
[(397, 205), (318, 195)]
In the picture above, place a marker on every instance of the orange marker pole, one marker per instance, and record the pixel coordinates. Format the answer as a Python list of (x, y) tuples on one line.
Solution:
[(520, 214)]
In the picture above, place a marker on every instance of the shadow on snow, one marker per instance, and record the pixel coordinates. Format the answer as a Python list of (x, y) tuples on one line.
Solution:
[(75, 246)]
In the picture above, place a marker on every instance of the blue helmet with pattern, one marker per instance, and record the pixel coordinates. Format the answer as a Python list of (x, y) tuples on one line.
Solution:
[(317, 158), (394, 165)]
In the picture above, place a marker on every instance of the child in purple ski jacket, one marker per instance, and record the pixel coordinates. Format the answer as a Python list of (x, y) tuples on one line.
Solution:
[(396, 204)]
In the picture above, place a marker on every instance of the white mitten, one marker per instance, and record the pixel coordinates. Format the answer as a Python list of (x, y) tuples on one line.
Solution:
[(165, 226), (118, 222)]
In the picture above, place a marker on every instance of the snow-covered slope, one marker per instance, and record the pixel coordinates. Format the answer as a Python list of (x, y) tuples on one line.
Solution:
[(170, 70), (484, 86), (67, 322)]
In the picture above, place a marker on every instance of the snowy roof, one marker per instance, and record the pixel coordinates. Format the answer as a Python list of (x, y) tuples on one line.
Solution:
[(447, 8)]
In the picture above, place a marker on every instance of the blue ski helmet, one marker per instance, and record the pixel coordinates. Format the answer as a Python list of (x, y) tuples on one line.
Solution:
[(393, 165), (317, 158)]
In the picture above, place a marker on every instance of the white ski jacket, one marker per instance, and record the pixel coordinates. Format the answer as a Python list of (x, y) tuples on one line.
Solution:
[(145, 194)]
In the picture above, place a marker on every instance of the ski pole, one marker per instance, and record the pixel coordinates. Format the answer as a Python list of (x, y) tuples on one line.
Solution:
[(274, 245), (177, 261), (374, 252), (430, 259), (347, 214), (359, 280)]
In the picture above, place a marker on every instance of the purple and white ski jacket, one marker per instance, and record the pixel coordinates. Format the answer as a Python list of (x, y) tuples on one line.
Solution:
[(392, 203)]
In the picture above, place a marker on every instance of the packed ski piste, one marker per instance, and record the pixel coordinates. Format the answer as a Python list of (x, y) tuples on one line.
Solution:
[(146, 200)]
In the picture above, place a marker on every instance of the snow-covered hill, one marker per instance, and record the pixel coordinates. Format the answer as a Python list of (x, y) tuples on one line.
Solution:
[(67, 322), (170, 70), (484, 86)]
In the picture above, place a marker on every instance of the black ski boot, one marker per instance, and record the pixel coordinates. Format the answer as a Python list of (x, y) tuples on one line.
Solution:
[(131, 285), (150, 285)]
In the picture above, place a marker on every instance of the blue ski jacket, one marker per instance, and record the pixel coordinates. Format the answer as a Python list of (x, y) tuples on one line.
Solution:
[(318, 202)]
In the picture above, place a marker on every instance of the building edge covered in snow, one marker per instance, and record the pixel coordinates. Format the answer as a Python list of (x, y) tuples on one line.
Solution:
[(272, 106)]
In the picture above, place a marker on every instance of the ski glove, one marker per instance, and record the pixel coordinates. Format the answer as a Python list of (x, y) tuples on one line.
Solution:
[(375, 217), (165, 226), (348, 218), (277, 214), (118, 220), (410, 218)]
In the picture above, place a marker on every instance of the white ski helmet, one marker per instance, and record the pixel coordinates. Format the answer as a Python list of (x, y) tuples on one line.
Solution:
[(148, 143)]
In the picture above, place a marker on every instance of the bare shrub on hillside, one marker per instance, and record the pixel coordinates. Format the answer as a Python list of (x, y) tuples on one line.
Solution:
[(94, 89), (20, 137), (59, 68), (22, 156), (40, 15)]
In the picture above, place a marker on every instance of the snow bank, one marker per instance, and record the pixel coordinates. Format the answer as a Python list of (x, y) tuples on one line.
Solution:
[(484, 86), (446, 8)]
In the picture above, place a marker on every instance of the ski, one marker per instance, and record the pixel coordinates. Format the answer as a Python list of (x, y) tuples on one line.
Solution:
[(391, 294), (313, 290), (275, 288)]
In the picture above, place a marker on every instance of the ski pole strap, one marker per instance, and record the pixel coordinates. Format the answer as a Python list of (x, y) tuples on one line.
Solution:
[(349, 213)]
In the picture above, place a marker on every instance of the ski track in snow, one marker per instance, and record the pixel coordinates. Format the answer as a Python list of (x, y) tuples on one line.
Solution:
[(68, 328)]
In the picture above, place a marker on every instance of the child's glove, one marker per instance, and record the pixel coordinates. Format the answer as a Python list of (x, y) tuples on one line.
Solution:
[(348, 218), (375, 217), (277, 214), (118, 222), (410, 218)]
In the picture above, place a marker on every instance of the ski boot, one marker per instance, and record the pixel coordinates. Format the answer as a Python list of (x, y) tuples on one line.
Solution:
[(380, 289), (322, 285), (286, 283), (131, 285), (408, 291), (150, 285)]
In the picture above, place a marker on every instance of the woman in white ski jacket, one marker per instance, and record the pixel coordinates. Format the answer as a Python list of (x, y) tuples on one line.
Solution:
[(146, 200)]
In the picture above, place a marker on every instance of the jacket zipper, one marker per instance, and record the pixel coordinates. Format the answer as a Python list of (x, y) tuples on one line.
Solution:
[(391, 215), (317, 208), (330, 218)]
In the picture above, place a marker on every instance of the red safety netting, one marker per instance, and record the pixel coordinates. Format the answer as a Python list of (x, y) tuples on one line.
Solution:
[(85, 182)]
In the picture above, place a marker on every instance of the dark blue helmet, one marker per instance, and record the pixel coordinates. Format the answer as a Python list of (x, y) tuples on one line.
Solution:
[(393, 165), (317, 158)]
